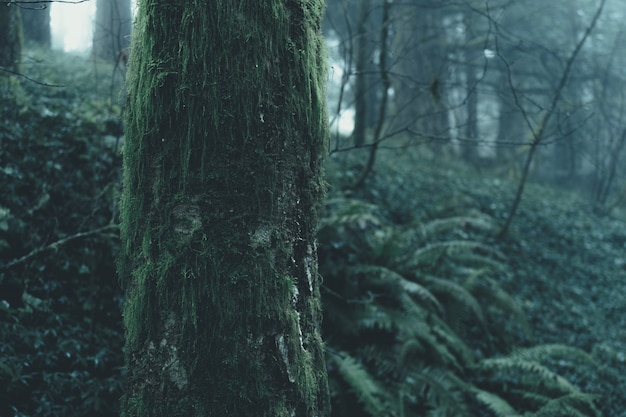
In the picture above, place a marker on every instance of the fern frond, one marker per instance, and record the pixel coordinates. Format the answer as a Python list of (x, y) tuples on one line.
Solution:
[(437, 226), (532, 375), (436, 350), (476, 261), (442, 389), (531, 400), (574, 404), (431, 253), (497, 297), (496, 404), (447, 288), (454, 343), (396, 283), (551, 351), (365, 387), (349, 211), (381, 359), (375, 317)]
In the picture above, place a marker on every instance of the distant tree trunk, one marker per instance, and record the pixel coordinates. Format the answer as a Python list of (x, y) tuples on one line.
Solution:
[(226, 129), (470, 145), (112, 29), (419, 80), (363, 106), (36, 22), (386, 86), (10, 38), (472, 61)]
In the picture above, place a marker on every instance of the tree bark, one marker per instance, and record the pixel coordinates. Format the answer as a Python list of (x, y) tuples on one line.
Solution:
[(226, 128)]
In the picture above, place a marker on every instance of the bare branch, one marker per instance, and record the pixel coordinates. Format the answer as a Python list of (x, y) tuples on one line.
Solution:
[(55, 245), (538, 134), (26, 77)]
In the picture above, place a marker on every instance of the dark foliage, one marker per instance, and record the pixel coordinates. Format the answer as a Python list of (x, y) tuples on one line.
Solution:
[(59, 300), (425, 311)]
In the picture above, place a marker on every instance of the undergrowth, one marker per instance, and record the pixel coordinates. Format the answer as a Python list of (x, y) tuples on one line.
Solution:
[(60, 322), (423, 315)]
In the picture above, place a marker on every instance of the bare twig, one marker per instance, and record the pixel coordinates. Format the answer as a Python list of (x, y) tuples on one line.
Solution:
[(20, 2), (55, 245), (2, 69), (538, 134)]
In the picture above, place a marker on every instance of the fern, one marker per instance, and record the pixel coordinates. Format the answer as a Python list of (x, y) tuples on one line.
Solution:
[(496, 404), (442, 390), (479, 261), (366, 388), (542, 352), (457, 346), (437, 226), (397, 330), (433, 252), (531, 400), (348, 211), (575, 404), (451, 290), (531, 374), (483, 286), (396, 283), (375, 317)]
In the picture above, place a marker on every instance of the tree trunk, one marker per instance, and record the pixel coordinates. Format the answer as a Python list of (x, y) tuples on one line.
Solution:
[(419, 79), (112, 29), (362, 84), (10, 38), (36, 21), (225, 131)]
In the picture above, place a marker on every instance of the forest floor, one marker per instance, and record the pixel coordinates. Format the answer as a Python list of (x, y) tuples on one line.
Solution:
[(569, 269)]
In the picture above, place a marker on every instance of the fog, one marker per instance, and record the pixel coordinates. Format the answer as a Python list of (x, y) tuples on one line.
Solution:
[(72, 25)]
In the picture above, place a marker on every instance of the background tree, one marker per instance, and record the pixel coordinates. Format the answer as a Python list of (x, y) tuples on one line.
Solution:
[(365, 76), (226, 129), (36, 22), (10, 38), (112, 28)]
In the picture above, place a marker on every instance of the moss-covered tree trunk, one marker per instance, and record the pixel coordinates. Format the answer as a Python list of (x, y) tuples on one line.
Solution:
[(225, 132)]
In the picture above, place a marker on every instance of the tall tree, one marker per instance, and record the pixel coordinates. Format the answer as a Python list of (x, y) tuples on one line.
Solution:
[(225, 131), (112, 29), (36, 22), (10, 37), (365, 90)]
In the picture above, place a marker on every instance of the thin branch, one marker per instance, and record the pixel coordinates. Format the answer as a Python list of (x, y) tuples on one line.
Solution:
[(539, 134), (18, 2), (2, 69), (55, 245)]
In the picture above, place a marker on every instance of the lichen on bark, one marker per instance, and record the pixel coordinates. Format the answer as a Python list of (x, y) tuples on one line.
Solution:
[(225, 132)]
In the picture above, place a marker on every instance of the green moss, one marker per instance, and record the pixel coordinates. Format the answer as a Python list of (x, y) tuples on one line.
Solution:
[(226, 128)]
